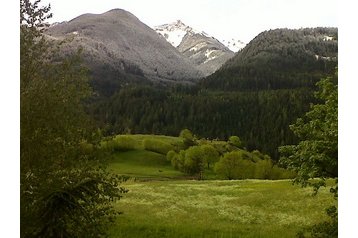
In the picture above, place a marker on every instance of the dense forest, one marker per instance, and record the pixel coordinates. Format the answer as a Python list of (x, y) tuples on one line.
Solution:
[(256, 95), (260, 118)]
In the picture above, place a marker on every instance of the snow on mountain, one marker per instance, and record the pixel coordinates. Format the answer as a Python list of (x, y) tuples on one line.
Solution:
[(234, 45), (175, 32)]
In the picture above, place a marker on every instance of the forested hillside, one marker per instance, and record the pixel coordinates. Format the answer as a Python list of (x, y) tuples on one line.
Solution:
[(280, 58), (255, 95)]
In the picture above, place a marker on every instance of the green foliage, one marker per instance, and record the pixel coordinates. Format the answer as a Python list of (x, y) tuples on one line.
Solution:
[(241, 164), (170, 155), (107, 144), (328, 228), (263, 169), (235, 141), (210, 154), (82, 206), (316, 155), (124, 143), (233, 165), (157, 146), (194, 161), (188, 137), (277, 59), (64, 191), (260, 119)]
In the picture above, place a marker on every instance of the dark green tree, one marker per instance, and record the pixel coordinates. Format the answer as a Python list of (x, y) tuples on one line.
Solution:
[(64, 191), (316, 155)]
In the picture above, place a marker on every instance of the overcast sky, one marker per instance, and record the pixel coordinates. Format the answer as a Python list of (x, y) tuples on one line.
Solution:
[(240, 19)]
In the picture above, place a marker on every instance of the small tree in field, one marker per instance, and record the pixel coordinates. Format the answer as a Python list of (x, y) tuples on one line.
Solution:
[(233, 165), (194, 162), (210, 154)]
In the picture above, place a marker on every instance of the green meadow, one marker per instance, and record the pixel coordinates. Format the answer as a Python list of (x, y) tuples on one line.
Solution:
[(164, 202), (246, 208)]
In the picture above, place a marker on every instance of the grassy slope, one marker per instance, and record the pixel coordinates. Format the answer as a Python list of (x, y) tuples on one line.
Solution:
[(142, 164), (178, 208), (249, 208)]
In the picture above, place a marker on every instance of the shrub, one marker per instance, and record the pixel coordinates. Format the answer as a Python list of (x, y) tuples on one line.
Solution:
[(220, 146), (194, 160), (177, 160), (157, 146), (235, 141), (170, 155), (108, 145), (188, 137), (233, 166), (263, 169), (124, 143), (281, 173), (210, 154)]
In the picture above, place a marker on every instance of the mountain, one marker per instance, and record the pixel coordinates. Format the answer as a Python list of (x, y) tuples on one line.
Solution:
[(280, 58), (255, 95), (206, 52), (119, 49), (233, 44)]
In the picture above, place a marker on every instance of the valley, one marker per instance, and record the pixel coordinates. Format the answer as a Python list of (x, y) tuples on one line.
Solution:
[(166, 131)]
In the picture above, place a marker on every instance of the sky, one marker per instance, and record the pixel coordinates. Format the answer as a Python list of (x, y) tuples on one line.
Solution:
[(223, 19)]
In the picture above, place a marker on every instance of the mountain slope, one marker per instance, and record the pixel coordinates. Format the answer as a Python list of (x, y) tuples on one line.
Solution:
[(206, 52), (280, 58), (256, 95), (118, 40)]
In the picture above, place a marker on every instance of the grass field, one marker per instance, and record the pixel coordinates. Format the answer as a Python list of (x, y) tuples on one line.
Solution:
[(247, 208), (142, 164), (164, 202)]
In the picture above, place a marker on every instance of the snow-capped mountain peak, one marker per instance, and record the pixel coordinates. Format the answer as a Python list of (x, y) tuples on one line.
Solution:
[(175, 32)]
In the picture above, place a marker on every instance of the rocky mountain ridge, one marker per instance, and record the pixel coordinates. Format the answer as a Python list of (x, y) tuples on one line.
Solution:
[(118, 42), (205, 51)]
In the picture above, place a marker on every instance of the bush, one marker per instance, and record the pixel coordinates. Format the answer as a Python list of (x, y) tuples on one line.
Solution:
[(234, 141), (188, 138), (281, 173), (171, 154), (263, 169), (220, 146), (177, 160), (157, 146), (233, 166), (124, 143), (108, 145), (194, 161), (210, 154), (243, 165)]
